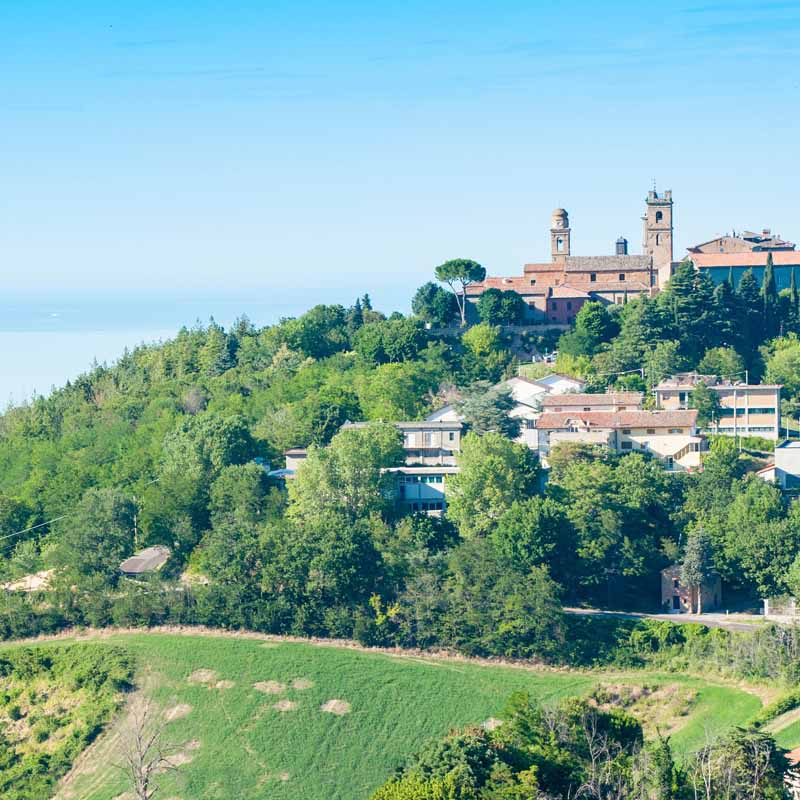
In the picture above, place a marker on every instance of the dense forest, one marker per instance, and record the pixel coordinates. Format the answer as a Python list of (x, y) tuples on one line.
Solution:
[(169, 446)]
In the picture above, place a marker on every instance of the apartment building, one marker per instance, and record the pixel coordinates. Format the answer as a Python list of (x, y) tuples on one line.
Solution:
[(745, 409), (670, 436)]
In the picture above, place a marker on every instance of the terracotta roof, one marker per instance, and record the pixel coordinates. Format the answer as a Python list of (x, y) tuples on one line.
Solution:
[(608, 263), (780, 258), (609, 398), (548, 266), (618, 419), (296, 451), (619, 286), (567, 291)]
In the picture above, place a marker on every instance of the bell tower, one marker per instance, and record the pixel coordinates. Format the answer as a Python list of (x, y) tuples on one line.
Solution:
[(657, 239), (559, 235)]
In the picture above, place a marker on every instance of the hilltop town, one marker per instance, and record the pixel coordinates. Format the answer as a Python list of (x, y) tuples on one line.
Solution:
[(558, 468)]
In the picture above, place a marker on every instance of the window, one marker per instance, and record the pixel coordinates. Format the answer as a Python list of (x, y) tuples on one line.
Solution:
[(622, 276), (408, 440), (675, 583), (593, 277), (676, 430), (451, 436), (659, 216), (429, 438), (658, 238), (626, 445), (626, 431), (560, 244), (651, 430), (569, 305), (533, 281), (530, 424), (587, 408), (554, 306)]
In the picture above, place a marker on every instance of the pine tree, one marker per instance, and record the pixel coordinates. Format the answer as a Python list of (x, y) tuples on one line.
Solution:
[(769, 297)]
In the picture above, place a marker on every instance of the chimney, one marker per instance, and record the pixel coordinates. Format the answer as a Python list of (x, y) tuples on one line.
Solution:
[(622, 246)]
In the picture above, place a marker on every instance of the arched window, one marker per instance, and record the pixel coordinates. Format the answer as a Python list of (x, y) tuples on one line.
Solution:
[(560, 244), (658, 238), (659, 216)]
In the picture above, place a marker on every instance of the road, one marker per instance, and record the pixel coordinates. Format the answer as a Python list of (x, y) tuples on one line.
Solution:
[(731, 622)]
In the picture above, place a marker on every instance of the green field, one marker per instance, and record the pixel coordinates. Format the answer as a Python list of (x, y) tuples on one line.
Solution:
[(242, 747)]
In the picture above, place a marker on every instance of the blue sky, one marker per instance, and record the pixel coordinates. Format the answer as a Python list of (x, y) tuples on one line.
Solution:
[(219, 146)]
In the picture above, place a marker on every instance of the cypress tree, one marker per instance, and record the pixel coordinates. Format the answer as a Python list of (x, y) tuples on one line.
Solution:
[(731, 279), (794, 304), (750, 312), (769, 296)]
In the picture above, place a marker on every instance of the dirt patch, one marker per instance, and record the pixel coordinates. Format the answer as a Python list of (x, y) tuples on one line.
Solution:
[(302, 683), (203, 676), (224, 685), (270, 687), (177, 712), (338, 707), (492, 724), (285, 705), (663, 707), (283, 776), (193, 745)]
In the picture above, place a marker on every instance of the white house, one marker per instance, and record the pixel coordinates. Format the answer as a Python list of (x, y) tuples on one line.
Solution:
[(785, 470)]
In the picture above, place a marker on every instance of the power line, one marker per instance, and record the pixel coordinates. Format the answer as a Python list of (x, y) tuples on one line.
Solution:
[(55, 519)]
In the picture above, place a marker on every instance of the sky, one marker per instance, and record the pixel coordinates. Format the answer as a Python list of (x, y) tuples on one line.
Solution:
[(162, 147)]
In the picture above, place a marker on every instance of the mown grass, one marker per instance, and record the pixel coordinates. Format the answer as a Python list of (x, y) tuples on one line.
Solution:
[(249, 750)]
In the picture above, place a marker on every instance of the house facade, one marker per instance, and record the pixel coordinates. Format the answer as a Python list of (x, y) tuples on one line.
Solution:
[(785, 468), (744, 409), (677, 598), (670, 436)]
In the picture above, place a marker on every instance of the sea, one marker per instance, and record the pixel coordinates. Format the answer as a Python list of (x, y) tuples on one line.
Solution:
[(47, 340)]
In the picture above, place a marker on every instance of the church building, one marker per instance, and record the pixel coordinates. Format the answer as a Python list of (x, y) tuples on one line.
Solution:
[(554, 291)]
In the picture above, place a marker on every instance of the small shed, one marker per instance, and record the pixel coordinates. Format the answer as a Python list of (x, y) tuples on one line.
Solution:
[(677, 598), (151, 559)]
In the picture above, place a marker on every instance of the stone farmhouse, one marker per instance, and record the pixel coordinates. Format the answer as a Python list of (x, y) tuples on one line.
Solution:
[(677, 598), (554, 291)]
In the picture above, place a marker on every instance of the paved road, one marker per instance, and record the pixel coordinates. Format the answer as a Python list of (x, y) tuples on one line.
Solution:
[(732, 622)]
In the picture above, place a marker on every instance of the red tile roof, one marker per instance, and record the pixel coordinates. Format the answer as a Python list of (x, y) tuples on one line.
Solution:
[(607, 399), (758, 259), (552, 420)]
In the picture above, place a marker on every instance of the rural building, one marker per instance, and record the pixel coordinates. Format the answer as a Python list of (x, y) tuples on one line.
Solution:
[(680, 599), (785, 469), (745, 409), (670, 436), (555, 291), (146, 561)]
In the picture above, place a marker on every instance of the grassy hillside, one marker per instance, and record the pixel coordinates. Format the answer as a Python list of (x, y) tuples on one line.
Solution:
[(274, 740)]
